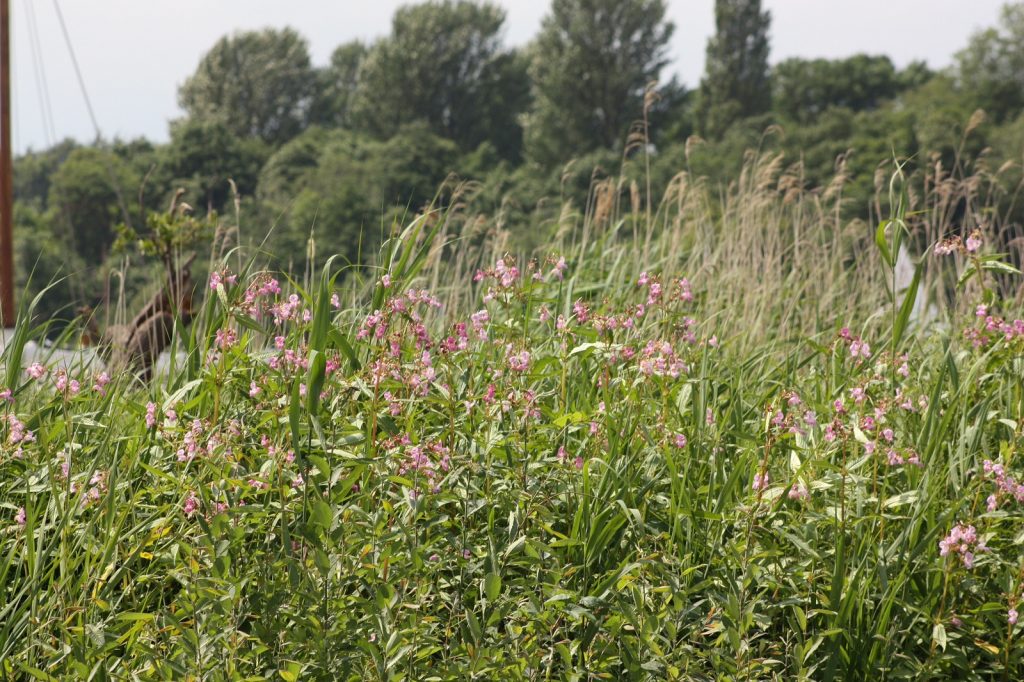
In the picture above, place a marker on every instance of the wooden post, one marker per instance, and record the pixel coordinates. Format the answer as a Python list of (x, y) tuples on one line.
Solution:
[(6, 171)]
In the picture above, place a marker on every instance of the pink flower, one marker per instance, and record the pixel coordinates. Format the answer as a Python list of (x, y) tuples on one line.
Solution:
[(799, 492), (830, 432), (973, 242), (36, 371), (20, 517), (559, 271), (947, 246), (150, 415), (65, 384), (680, 440), (960, 541), (191, 504), (761, 481), (519, 362), (1011, 616), (101, 383), (860, 348)]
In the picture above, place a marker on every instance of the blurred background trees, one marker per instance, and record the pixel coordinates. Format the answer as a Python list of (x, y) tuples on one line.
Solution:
[(325, 157)]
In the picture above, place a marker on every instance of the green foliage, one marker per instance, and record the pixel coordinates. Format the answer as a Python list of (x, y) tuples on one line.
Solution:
[(336, 86), (47, 266), (204, 154), (443, 64), (802, 89), (257, 83), (87, 197), (659, 485), (590, 67), (337, 184), (990, 69), (736, 81), (33, 173)]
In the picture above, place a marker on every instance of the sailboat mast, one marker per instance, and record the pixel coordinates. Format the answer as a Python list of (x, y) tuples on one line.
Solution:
[(6, 173)]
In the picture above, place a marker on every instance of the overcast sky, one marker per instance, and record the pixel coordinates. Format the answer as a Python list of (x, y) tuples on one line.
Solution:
[(134, 53)]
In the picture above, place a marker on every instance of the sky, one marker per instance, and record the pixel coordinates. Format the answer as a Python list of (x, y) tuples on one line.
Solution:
[(133, 54)]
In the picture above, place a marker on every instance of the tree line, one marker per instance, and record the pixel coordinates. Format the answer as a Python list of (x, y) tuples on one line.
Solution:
[(341, 150)]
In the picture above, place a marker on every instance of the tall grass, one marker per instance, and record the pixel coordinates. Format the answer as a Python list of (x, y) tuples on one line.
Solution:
[(609, 474)]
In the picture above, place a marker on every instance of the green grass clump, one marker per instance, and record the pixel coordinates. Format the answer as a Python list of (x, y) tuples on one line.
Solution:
[(610, 462)]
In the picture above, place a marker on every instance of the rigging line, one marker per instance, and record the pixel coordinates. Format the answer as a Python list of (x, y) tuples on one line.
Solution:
[(39, 66), (35, 72), (92, 114)]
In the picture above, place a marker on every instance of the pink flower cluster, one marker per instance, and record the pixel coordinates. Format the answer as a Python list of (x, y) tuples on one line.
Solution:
[(290, 309), (18, 434), (224, 277), (992, 328), (430, 460), (962, 541), (65, 384), (799, 492), (1005, 484), (261, 288), (192, 444), (517, 361), (505, 275), (955, 244), (658, 358)]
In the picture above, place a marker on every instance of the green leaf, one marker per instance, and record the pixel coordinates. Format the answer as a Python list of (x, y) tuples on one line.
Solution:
[(341, 341), (999, 266), (909, 299), (882, 242), (315, 381), (322, 310), (492, 586), (321, 514), (295, 415)]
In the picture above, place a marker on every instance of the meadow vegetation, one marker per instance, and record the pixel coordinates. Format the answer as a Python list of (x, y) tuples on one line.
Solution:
[(735, 394), (708, 440)]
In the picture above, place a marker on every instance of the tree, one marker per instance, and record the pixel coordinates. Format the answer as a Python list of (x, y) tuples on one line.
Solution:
[(444, 64), (33, 173), (205, 154), (804, 88), (590, 66), (736, 83), (336, 86), (339, 185), (87, 194), (991, 68), (257, 84)]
